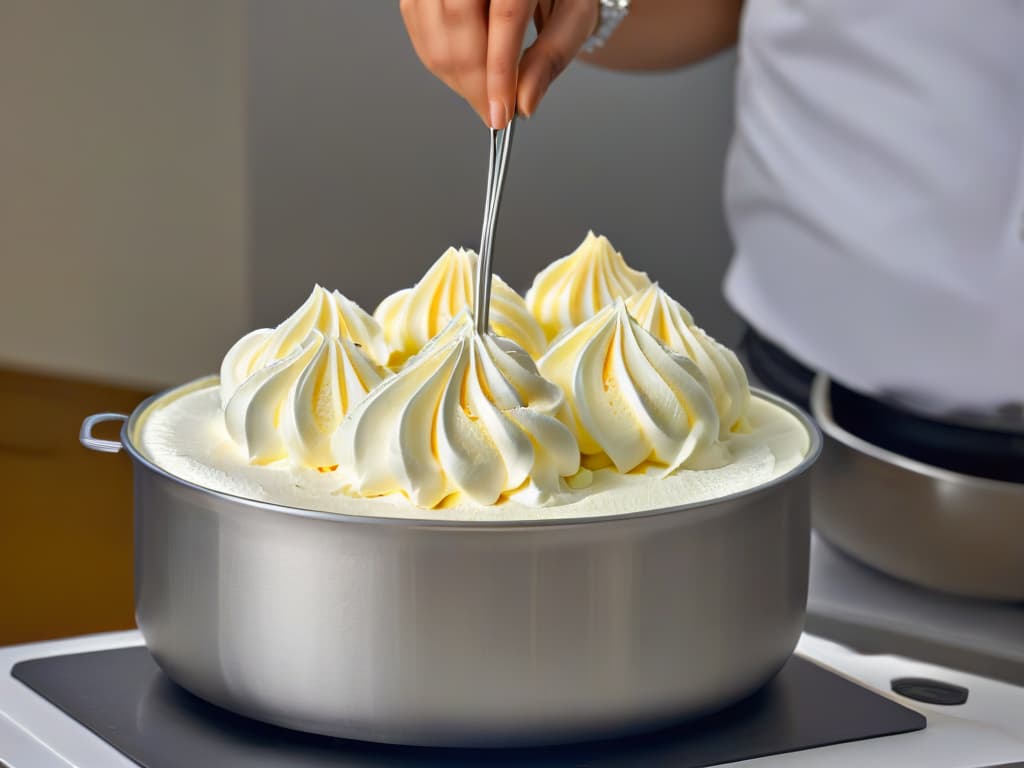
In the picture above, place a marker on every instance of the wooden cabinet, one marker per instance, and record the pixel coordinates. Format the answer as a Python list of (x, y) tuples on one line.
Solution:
[(66, 515)]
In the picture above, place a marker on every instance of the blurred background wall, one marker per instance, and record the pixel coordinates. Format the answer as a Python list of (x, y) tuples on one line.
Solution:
[(122, 186), (363, 168), (122, 260), (173, 173)]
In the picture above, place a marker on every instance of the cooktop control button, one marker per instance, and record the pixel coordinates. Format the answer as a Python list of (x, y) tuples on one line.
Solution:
[(930, 691)]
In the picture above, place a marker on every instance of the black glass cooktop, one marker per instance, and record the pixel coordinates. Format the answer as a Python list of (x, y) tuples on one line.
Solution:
[(123, 697)]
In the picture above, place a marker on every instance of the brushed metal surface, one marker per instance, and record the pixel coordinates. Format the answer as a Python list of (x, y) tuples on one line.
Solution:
[(497, 161), (940, 529), (489, 634)]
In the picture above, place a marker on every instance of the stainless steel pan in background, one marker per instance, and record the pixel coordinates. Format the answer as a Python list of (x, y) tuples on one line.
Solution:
[(467, 634), (940, 529)]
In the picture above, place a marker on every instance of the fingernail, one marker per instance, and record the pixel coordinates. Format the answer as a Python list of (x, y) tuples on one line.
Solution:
[(499, 115)]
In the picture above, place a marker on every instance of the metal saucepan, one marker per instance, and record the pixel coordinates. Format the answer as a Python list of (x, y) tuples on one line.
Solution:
[(940, 529), (430, 632)]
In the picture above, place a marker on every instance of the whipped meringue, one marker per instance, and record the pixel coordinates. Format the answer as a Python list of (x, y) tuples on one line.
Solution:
[(183, 433), (669, 322), (632, 400), (412, 316), (575, 287), (632, 407), (469, 416), (329, 313), (290, 408)]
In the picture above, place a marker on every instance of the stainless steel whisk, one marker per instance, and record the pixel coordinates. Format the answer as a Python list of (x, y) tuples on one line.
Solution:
[(500, 143)]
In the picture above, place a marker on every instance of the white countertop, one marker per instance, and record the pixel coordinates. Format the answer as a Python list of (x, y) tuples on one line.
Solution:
[(987, 730)]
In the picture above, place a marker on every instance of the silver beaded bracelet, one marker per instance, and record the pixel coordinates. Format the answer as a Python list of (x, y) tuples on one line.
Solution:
[(612, 12)]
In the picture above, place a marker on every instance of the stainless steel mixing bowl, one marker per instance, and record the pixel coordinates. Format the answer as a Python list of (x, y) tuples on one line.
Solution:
[(924, 524), (467, 634)]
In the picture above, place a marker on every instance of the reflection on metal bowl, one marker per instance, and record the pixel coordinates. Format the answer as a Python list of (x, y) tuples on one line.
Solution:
[(940, 529)]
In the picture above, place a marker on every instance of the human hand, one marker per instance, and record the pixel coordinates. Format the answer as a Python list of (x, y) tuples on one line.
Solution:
[(474, 47)]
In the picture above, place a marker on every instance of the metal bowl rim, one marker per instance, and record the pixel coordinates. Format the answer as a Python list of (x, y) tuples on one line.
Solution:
[(821, 408), (810, 457)]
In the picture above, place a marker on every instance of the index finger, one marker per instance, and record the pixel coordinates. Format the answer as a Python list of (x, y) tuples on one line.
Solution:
[(506, 30)]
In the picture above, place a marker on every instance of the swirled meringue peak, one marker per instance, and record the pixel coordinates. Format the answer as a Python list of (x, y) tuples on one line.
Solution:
[(413, 316), (469, 416), (669, 322), (632, 401), (575, 287), (290, 408), (331, 314)]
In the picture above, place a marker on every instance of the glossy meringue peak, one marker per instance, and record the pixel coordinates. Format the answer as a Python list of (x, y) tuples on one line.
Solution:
[(669, 322), (329, 313), (575, 287), (468, 416), (413, 316), (632, 400), (291, 408)]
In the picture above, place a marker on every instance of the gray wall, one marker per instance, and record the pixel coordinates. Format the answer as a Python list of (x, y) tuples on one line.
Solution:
[(122, 187), (363, 168), (181, 172)]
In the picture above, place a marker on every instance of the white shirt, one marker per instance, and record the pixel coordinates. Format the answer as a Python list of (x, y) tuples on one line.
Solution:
[(875, 192)]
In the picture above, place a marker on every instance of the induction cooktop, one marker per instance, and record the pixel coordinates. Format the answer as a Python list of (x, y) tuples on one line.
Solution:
[(122, 696)]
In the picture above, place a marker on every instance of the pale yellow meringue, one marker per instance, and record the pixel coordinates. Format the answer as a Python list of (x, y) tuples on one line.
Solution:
[(669, 322), (413, 316), (469, 416), (291, 408), (183, 433), (631, 399), (575, 287), (331, 314), (632, 407)]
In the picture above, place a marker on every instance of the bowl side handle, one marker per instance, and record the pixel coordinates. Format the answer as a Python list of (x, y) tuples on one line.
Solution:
[(85, 436)]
